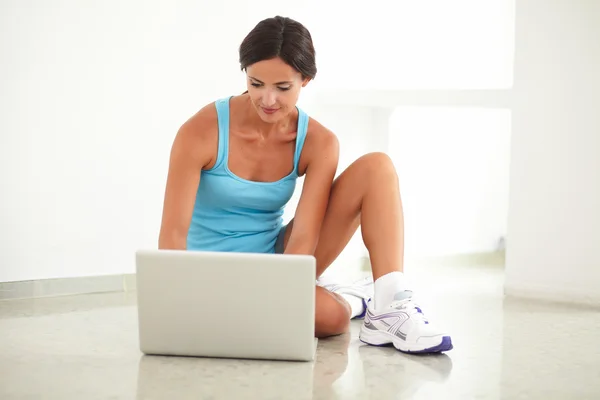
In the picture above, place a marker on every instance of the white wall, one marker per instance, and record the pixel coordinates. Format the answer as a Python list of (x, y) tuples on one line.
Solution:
[(453, 165), (553, 242), (406, 44), (92, 94)]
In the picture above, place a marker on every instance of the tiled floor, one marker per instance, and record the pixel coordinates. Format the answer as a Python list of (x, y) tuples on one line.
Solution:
[(85, 347)]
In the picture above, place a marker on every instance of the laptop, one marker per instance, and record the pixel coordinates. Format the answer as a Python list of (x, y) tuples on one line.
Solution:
[(226, 305)]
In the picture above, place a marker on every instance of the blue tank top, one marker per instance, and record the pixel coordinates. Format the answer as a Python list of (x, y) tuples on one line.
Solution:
[(232, 214)]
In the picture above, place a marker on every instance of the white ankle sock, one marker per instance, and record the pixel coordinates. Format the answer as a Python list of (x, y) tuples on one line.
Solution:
[(356, 304), (386, 287)]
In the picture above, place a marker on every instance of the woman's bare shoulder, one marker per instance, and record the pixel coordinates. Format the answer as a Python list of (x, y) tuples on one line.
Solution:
[(320, 142), (316, 131), (198, 136), (203, 123)]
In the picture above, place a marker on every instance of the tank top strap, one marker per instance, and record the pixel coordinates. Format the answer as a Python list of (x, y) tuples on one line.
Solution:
[(222, 106), (300, 136)]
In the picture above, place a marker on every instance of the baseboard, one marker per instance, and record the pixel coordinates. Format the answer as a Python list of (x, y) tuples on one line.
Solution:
[(544, 294), (127, 282), (492, 258), (66, 286)]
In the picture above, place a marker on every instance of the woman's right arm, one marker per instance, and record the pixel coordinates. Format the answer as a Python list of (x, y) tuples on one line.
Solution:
[(194, 148)]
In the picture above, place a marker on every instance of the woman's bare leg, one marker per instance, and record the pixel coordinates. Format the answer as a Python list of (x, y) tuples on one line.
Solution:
[(366, 194), (332, 315)]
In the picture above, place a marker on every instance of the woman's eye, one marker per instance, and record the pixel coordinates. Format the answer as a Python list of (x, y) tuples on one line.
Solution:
[(284, 88), (255, 84)]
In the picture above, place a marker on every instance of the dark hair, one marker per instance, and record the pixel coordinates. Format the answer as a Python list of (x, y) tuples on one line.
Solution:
[(280, 37)]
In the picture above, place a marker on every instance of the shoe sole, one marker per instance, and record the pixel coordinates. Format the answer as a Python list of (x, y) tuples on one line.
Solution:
[(379, 338)]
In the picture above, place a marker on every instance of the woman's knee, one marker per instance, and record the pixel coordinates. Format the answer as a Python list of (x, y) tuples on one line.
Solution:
[(377, 163), (332, 316)]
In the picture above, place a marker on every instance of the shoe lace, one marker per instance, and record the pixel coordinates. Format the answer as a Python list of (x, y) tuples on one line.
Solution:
[(413, 309)]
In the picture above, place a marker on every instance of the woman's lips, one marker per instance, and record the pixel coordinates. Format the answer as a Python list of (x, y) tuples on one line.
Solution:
[(269, 110)]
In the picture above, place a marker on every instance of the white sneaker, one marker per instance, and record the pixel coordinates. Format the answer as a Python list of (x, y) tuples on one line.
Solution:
[(404, 325), (362, 288)]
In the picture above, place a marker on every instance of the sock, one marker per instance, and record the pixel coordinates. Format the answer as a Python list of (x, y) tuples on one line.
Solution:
[(356, 304), (389, 288)]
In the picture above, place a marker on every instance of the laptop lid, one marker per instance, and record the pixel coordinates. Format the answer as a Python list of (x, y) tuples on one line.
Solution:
[(219, 304)]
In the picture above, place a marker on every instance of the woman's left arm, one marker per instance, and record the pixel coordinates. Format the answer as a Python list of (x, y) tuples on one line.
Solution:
[(322, 152)]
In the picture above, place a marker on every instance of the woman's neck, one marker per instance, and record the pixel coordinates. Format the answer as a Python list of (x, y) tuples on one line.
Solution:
[(252, 120)]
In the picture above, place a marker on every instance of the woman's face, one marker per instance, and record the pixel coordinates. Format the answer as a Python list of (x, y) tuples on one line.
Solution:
[(274, 88)]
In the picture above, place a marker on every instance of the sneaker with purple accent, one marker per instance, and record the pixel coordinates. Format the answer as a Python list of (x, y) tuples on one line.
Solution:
[(362, 288), (404, 325)]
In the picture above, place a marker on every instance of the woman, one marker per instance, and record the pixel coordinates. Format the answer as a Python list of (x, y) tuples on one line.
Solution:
[(234, 166)]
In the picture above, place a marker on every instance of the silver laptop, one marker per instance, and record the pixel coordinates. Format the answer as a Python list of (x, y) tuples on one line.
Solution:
[(231, 305)]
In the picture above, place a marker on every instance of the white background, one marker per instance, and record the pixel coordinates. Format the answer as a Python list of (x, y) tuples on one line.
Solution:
[(92, 94)]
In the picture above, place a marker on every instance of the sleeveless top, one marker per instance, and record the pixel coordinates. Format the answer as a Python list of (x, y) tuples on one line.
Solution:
[(232, 214)]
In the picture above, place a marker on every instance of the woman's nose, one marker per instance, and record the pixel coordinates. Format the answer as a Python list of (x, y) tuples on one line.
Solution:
[(269, 98)]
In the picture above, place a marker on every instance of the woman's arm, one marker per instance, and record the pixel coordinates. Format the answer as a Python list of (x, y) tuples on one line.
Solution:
[(192, 150), (322, 152)]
